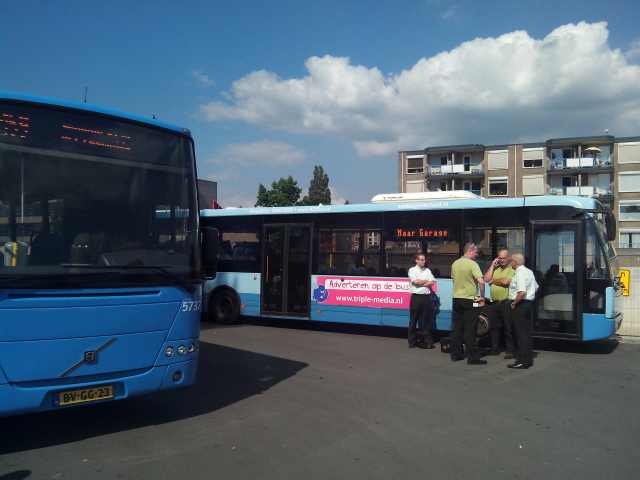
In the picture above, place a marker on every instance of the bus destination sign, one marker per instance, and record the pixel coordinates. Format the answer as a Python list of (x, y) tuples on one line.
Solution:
[(422, 232)]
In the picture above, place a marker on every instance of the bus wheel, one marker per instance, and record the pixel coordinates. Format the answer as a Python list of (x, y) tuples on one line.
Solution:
[(225, 307)]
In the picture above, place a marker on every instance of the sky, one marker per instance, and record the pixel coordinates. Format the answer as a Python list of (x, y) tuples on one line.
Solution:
[(270, 89)]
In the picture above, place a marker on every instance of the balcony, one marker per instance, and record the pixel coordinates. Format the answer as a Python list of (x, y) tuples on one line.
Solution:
[(583, 191), (576, 162), (457, 169)]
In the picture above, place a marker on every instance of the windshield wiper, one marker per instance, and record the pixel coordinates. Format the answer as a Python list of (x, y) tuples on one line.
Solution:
[(177, 279), (53, 277)]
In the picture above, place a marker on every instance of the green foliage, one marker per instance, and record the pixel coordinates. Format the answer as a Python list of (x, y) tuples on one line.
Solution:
[(283, 193), (319, 192)]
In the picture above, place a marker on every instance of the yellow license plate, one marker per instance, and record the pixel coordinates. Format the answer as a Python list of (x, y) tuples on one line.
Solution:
[(85, 395)]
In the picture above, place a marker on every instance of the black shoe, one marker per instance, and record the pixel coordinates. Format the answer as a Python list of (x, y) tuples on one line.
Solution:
[(476, 361), (494, 353), (509, 356), (412, 345), (456, 358), (519, 366)]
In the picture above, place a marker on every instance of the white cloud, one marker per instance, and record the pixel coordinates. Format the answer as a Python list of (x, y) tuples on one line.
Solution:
[(633, 52), (202, 79), (487, 90)]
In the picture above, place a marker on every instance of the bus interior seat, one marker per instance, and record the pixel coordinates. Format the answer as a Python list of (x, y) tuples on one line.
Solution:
[(556, 304), (86, 247)]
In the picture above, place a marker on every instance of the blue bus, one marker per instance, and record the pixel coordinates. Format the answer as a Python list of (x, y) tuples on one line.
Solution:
[(348, 263), (100, 255)]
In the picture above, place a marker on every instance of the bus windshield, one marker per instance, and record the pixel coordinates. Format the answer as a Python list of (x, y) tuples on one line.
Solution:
[(82, 192)]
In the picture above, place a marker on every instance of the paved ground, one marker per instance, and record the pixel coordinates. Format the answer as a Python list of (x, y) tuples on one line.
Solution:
[(349, 403)]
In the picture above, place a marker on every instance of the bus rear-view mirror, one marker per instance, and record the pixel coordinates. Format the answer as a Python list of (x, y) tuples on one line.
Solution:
[(610, 223)]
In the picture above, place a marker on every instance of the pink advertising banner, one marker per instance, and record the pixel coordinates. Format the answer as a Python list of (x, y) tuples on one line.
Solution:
[(370, 292)]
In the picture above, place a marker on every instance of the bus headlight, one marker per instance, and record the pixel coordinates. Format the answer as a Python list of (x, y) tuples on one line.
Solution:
[(192, 347), (182, 350), (169, 351)]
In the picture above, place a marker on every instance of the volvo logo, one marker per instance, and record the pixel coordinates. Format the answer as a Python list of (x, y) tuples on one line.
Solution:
[(90, 357)]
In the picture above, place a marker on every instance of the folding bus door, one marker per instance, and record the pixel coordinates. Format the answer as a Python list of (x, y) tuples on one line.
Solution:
[(555, 251), (286, 270)]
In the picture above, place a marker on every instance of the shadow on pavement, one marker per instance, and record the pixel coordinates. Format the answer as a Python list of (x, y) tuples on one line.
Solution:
[(17, 475), (225, 375), (348, 328), (602, 347)]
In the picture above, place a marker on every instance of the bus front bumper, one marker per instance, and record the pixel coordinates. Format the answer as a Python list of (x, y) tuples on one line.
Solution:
[(35, 397)]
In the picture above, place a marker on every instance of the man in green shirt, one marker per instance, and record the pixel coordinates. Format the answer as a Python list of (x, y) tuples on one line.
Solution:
[(499, 275), (467, 279)]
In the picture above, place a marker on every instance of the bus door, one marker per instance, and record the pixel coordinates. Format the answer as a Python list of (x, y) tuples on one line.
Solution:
[(555, 257), (286, 267)]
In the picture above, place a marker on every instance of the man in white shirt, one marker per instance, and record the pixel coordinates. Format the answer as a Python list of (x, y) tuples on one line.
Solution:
[(421, 307), (522, 293)]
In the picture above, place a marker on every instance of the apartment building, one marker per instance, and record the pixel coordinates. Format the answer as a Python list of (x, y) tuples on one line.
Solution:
[(604, 167)]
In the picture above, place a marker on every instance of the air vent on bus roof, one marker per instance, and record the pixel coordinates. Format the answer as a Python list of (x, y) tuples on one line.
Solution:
[(424, 196)]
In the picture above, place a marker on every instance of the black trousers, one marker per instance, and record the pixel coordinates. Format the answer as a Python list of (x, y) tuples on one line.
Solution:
[(501, 321), (465, 325), (523, 325), (421, 315)]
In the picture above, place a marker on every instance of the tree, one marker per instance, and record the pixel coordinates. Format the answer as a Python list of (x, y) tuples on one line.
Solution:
[(283, 193), (319, 192)]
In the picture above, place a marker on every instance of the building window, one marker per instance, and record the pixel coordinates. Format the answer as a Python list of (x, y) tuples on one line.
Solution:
[(444, 186), (443, 160), (467, 163), (498, 186), (533, 185), (414, 187), (629, 211), (629, 239), (532, 157), (629, 152), (629, 182), (498, 159), (536, 163), (415, 164), (474, 187)]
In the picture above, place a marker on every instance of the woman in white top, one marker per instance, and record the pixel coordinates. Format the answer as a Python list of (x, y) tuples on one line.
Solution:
[(421, 307)]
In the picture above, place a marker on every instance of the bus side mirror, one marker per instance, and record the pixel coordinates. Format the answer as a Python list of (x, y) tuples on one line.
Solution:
[(610, 224), (210, 242)]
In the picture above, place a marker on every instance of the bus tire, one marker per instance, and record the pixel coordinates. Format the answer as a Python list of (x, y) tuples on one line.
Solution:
[(224, 307)]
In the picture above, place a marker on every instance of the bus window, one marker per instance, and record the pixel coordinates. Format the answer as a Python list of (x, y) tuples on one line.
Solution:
[(555, 269), (339, 252), (371, 252), (595, 265), (596, 273), (238, 251), (510, 238), (399, 255), (482, 238)]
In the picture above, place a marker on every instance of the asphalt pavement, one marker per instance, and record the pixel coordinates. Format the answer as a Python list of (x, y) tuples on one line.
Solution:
[(275, 402)]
